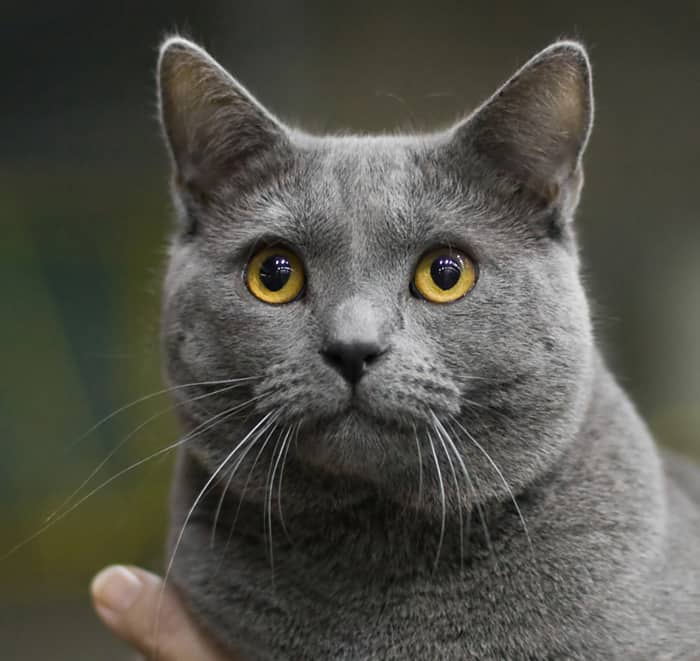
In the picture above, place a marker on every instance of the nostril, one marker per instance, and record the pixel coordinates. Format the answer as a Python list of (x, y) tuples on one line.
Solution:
[(335, 359), (372, 357)]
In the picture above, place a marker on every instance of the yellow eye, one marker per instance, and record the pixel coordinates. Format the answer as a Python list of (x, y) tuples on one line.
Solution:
[(444, 275), (275, 275)]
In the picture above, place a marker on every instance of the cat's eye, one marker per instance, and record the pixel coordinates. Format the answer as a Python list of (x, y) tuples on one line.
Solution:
[(444, 275), (275, 275)]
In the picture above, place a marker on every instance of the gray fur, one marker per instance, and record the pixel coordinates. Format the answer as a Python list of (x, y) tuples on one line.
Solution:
[(360, 565)]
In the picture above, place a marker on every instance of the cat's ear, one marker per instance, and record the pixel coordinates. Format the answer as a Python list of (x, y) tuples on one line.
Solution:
[(215, 128), (535, 128)]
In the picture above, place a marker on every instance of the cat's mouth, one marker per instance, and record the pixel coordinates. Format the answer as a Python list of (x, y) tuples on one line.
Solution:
[(358, 416), (355, 406), (362, 415), (352, 442), (370, 411)]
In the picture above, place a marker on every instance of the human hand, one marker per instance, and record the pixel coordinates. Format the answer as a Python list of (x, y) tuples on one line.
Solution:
[(127, 600)]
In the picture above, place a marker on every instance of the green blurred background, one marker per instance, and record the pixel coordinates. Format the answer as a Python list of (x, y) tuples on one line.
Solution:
[(84, 215)]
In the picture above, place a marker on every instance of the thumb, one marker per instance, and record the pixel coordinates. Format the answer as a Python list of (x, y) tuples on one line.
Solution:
[(134, 605)]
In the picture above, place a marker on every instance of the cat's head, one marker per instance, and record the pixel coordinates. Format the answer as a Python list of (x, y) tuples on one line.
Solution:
[(392, 304)]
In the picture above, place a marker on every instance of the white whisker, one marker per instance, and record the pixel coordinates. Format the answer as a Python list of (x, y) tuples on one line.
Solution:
[(241, 498), (507, 487), (231, 475), (197, 500), (205, 426), (480, 511), (150, 396), (442, 500), (127, 438), (492, 410), (279, 483), (440, 432), (276, 456), (420, 467)]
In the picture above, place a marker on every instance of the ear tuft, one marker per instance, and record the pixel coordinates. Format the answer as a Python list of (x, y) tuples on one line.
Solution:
[(213, 125), (536, 127)]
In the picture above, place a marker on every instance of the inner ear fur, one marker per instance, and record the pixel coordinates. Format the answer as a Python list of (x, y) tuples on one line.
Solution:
[(214, 127), (536, 126)]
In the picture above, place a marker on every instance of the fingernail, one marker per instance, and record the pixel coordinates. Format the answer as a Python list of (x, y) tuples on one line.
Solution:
[(115, 588)]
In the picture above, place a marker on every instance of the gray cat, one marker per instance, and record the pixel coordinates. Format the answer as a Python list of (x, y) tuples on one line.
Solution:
[(405, 444)]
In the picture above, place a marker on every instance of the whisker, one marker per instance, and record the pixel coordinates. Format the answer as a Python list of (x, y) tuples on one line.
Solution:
[(456, 483), (231, 475), (492, 409), (467, 478), (241, 498), (507, 487), (181, 534), (274, 463), (128, 437), (479, 509), (279, 484), (442, 500), (150, 396), (420, 467), (205, 426)]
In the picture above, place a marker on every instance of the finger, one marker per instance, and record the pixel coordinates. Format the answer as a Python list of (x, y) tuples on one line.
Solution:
[(133, 604)]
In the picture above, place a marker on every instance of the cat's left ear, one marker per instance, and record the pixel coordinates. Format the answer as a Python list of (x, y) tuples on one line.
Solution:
[(535, 128), (216, 130)]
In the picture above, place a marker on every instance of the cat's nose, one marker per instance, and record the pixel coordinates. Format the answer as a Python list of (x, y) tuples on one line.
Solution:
[(352, 359)]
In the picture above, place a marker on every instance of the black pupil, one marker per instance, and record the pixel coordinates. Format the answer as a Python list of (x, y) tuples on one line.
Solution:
[(275, 272), (445, 272)]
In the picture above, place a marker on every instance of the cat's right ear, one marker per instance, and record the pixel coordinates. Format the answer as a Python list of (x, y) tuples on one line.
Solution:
[(216, 130)]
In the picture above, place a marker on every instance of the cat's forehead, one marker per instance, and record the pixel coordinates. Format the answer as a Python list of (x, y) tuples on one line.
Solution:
[(372, 184), (358, 170), (355, 194)]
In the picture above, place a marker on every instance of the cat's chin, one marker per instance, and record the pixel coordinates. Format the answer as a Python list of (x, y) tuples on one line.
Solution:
[(357, 443)]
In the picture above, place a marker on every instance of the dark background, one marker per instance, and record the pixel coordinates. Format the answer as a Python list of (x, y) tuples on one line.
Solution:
[(84, 216)]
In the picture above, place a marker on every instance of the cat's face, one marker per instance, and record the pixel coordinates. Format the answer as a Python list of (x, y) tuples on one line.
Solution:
[(360, 361)]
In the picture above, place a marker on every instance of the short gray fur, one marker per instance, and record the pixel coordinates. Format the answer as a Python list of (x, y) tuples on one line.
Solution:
[(608, 566)]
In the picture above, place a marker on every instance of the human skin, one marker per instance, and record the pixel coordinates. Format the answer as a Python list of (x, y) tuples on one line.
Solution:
[(129, 600)]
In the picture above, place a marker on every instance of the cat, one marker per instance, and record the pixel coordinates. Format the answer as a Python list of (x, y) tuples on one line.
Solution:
[(406, 443)]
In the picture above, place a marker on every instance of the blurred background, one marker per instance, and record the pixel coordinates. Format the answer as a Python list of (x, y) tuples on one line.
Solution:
[(84, 214)]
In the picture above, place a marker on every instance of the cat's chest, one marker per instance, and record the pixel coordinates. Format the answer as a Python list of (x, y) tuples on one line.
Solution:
[(321, 611)]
